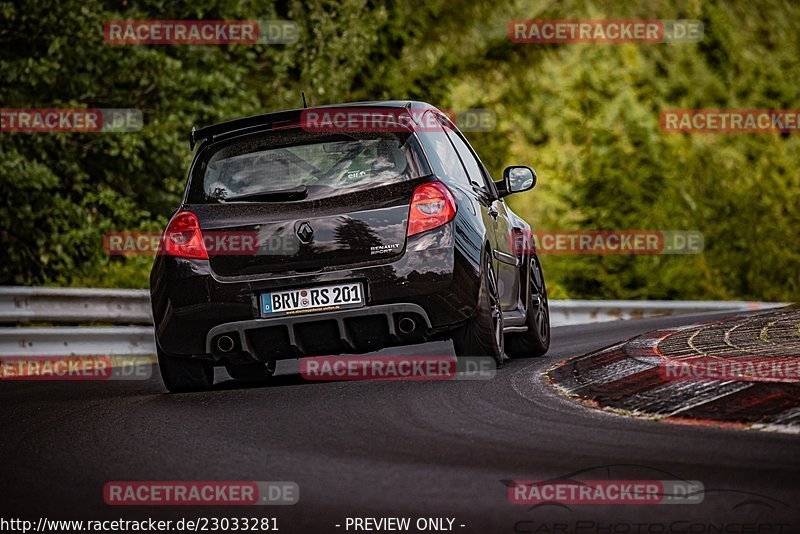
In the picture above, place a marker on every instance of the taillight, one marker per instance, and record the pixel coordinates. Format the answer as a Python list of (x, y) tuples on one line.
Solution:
[(183, 237), (431, 206)]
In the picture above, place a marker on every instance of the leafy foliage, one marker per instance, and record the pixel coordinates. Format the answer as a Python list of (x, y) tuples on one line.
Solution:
[(586, 116)]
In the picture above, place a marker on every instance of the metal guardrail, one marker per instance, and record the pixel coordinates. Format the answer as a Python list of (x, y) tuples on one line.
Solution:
[(74, 305), (20, 305), (570, 312), (78, 341)]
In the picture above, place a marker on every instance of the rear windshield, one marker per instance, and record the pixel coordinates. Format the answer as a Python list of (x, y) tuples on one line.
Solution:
[(298, 165)]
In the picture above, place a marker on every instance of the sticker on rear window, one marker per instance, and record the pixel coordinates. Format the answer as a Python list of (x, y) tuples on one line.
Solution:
[(356, 174)]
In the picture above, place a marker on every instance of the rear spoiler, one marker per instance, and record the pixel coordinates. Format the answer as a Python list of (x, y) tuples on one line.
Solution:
[(260, 122), (236, 126)]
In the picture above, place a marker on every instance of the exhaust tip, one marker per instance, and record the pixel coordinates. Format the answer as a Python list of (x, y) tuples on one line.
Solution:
[(406, 325), (225, 343)]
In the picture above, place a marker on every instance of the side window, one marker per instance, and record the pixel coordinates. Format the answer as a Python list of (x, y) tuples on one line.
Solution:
[(446, 162), (472, 165)]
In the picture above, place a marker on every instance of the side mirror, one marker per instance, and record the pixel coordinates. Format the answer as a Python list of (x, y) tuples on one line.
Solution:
[(517, 179)]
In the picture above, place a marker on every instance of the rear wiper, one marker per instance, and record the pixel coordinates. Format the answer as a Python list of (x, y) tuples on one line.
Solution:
[(297, 193)]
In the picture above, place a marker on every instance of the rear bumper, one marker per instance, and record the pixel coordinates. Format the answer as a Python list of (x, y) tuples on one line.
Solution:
[(433, 278), (352, 331)]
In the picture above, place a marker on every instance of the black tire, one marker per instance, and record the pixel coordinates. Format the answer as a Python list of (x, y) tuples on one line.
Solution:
[(251, 372), (536, 341), (482, 335), (185, 374)]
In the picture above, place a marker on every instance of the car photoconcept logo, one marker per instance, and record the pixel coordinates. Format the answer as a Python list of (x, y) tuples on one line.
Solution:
[(305, 232)]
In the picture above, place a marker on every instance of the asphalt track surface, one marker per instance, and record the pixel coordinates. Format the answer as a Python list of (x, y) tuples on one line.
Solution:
[(390, 449)]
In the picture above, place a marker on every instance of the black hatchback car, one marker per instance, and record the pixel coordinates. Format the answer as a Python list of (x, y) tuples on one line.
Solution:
[(342, 229)]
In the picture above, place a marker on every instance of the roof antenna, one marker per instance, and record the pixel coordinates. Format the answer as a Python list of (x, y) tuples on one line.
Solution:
[(305, 106)]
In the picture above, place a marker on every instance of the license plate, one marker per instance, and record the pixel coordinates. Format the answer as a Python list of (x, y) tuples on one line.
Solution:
[(312, 299)]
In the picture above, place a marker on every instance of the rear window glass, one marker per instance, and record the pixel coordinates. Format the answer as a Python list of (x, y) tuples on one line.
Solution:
[(298, 165)]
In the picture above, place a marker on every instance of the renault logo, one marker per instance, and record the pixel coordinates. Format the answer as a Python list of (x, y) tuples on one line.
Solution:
[(305, 232)]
